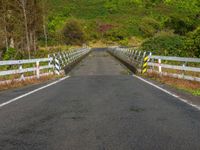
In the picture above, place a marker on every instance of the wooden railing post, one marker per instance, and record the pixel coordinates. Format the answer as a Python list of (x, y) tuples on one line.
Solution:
[(22, 74), (159, 67), (184, 65), (38, 69)]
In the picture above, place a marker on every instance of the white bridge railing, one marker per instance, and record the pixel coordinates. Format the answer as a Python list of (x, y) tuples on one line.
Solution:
[(55, 63), (187, 68), (178, 67)]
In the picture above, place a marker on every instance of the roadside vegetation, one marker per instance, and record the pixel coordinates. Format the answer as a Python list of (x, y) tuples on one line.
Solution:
[(191, 87), (31, 81)]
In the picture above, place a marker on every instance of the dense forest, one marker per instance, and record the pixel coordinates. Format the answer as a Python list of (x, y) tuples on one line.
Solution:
[(165, 27)]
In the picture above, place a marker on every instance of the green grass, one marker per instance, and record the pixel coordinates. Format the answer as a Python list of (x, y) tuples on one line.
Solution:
[(194, 92)]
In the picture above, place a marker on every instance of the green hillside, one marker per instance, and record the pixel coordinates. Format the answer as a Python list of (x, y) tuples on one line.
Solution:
[(127, 21), (167, 27)]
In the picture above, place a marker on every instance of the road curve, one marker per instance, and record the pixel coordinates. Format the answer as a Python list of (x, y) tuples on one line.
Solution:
[(100, 107)]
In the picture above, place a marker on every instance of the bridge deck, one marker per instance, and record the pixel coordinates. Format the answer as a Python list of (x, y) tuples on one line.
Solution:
[(98, 108), (99, 62)]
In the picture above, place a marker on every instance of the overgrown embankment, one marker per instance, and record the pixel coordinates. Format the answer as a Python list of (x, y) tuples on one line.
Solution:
[(181, 84), (166, 27)]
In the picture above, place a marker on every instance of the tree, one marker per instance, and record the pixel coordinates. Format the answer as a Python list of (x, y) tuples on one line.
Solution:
[(73, 33), (23, 5), (165, 43), (3, 19), (149, 26), (45, 12), (180, 25), (10, 23)]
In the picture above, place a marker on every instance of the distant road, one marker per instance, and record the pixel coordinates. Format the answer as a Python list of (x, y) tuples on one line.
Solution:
[(99, 107)]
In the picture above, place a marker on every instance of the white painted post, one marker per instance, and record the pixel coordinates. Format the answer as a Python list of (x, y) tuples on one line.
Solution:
[(151, 68), (22, 75), (160, 67), (183, 73), (38, 69)]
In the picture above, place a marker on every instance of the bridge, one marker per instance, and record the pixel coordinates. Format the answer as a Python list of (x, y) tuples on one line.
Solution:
[(100, 104)]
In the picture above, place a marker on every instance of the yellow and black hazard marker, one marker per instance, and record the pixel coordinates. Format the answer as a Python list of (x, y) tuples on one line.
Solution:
[(145, 64)]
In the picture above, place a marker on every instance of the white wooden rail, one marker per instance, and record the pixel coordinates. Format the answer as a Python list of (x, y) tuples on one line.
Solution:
[(159, 64), (42, 66), (21, 69)]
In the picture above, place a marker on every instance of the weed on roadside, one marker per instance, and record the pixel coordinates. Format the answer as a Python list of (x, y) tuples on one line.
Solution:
[(192, 87)]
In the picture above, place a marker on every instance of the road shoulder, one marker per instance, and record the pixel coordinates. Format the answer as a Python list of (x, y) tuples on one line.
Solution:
[(191, 99)]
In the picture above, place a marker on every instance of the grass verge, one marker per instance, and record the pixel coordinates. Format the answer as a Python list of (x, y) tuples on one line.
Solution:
[(185, 85), (17, 84)]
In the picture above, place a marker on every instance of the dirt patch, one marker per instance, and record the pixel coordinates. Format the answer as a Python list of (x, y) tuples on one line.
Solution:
[(17, 84), (192, 87)]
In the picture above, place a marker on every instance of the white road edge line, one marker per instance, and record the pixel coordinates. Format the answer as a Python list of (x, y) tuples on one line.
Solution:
[(168, 92), (31, 92)]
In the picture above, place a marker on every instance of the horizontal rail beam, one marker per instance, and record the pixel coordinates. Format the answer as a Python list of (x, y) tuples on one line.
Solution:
[(175, 67), (183, 59), (28, 61), (56, 62), (19, 71)]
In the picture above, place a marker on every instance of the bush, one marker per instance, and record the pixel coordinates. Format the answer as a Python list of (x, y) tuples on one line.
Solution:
[(116, 35), (124, 42), (149, 26), (180, 25), (73, 33), (165, 43), (111, 7), (9, 54), (192, 45)]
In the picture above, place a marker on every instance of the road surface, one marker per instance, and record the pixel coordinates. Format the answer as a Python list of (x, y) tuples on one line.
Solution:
[(100, 107)]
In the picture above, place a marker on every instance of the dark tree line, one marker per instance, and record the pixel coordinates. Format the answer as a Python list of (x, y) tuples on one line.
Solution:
[(21, 24)]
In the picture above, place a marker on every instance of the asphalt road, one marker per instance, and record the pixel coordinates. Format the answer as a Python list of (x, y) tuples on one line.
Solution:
[(100, 107)]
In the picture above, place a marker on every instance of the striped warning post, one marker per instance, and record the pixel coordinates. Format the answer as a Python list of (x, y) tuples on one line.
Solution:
[(145, 63), (57, 66)]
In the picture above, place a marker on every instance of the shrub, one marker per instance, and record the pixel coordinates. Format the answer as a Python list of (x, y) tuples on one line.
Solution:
[(167, 44), (180, 25), (9, 54), (124, 42), (149, 26), (192, 45), (116, 35), (73, 33), (111, 7)]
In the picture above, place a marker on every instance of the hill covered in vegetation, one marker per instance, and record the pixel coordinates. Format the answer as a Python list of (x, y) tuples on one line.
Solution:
[(167, 27)]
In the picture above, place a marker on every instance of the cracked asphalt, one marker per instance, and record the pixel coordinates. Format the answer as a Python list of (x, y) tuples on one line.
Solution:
[(100, 107)]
